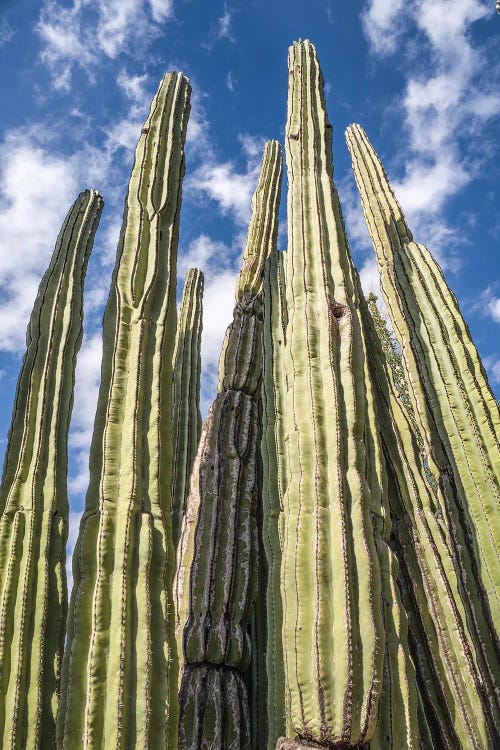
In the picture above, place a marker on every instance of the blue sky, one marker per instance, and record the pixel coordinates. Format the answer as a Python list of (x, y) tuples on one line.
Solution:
[(77, 77)]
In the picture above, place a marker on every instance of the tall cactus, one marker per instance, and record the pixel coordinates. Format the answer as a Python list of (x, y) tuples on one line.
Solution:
[(217, 554), (33, 495), (119, 683), (451, 687), (273, 451), (333, 631), (457, 414), (186, 416)]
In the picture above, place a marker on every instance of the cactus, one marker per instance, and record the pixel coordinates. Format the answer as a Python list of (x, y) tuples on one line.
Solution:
[(273, 453), (119, 681), (186, 416), (450, 683), (217, 555), (333, 633), (457, 415), (33, 494)]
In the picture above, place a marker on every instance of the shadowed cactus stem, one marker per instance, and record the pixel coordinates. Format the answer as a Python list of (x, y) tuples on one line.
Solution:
[(119, 687), (186, 417), (456, 412), (33, 495), (216, 577)]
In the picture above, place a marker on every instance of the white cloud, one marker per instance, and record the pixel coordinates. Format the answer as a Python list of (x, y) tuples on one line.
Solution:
[(230, 83), (89, 30), (448, 99), (6, 32), (133, 86), (224, 30), (492, 367)]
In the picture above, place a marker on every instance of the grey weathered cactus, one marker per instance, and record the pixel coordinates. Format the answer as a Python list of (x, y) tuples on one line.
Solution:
[(456, 412), (186, 416), (451, 687), (217, 554), (33, 495), (119, 686), (333, 631)]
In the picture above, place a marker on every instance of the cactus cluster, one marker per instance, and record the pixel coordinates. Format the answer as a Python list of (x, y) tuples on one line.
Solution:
[(315, 565)]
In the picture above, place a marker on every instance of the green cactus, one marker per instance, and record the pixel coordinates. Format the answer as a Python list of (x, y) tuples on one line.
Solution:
[(217, 556), (333, 631), (450, 683), (273, 451), (456, 412), (186, 416), (119, 682), (33, 494)]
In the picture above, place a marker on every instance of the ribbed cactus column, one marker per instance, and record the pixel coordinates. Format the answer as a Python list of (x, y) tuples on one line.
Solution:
[(119, 682), (33, 495), (186, 416), (333, 632), (273, 451), (453, 694), (217, 555), (457, 414)]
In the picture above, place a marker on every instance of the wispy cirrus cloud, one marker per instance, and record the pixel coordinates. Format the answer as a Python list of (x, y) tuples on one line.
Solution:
[(88, 30)]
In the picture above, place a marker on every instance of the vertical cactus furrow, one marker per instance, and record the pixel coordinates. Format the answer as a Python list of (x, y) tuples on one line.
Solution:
[(456, 412), (120, 667), (442, 645), (33, 495), (333, 635), (216, 577), (273, 451), (186, 416)]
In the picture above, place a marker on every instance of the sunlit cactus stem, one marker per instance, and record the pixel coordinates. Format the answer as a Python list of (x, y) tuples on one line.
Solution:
[(186, 416), (333, 629), (33, 495), (456, 412), (119, 684), (216, 578)]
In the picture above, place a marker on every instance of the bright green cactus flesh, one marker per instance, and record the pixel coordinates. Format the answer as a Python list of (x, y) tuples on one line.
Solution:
[(33, 495), (119, 683), (216, 579), (186, 416)]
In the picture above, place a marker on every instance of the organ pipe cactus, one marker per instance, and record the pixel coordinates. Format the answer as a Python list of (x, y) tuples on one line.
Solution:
[(119, 683), (33, 495), (452, 692), (457, 414), (186, 416), (333, 631), (217, 555)]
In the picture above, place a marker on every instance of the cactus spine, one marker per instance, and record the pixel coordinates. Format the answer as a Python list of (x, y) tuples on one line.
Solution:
[(333, 634), (33, 495), (120, 667), (456, 412), (186, 416), (217, 554), (442, 648)]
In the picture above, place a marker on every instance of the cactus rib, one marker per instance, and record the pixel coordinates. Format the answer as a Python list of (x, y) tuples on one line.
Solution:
[(33, 495)]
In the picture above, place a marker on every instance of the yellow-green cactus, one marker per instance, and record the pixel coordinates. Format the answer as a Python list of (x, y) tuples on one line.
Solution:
[(186, 416), (456, 412), (216, 577), (451, 687), (33, 495), (119, 685), (333, 629)]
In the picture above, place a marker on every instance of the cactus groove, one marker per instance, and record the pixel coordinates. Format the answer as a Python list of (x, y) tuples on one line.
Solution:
[(186, 416), (216, 578), (33, 495), (119, 681)]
